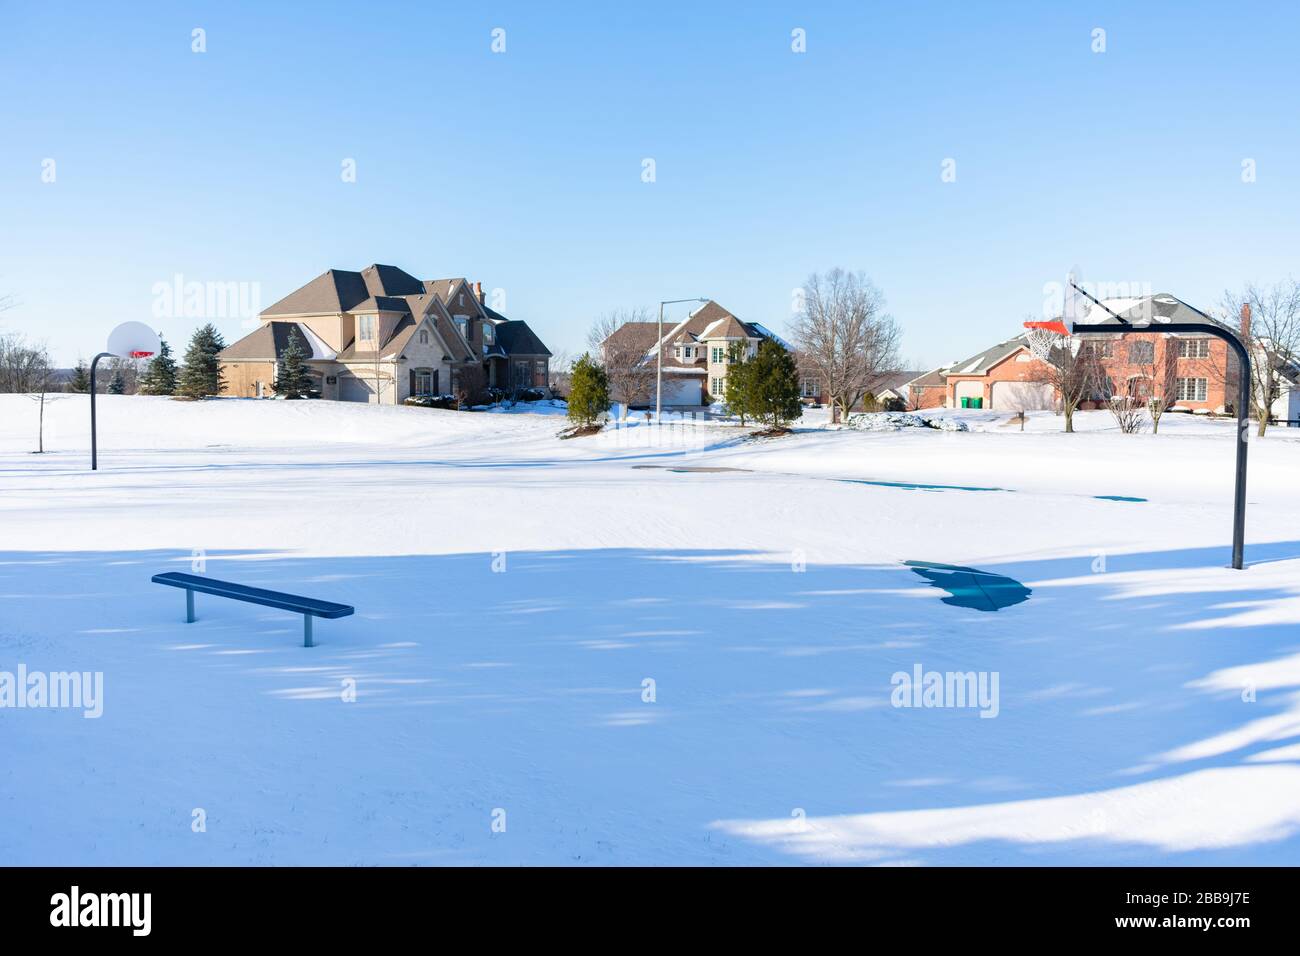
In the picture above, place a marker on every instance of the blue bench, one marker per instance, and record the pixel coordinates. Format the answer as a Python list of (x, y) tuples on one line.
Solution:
[(307, 607)]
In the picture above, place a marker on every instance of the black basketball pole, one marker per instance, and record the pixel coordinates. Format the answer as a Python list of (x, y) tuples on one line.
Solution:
[(1243, 403), (94, 455)]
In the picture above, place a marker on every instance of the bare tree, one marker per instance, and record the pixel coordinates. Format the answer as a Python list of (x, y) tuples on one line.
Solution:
[(623, 353), (1156, 382), (1075, 374), (24, 366), (1129, 412), (1270, 327), (844, 337), (469, 385)]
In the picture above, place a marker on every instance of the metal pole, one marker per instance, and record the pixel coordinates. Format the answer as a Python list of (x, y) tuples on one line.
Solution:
[(659, 365), (94, 450), (1243, 410)]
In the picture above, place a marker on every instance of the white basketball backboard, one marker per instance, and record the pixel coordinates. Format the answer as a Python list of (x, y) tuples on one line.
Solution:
[(132, 340)]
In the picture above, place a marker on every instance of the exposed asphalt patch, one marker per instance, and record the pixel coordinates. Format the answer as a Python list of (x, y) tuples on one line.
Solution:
[(971, 587)]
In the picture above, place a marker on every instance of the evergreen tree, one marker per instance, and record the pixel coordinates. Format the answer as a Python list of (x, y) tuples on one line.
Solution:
[(201, 375), (738, 387), (80, 377), (589, 392), (117, 384), (766, 387), (159, 377), (292, 379)]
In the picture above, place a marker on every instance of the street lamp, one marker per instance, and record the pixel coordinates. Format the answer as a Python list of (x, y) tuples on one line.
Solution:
[(659, 353), (129, 340)]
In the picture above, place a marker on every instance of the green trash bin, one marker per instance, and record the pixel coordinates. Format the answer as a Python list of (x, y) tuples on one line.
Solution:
[(977, 403), (965, 402)]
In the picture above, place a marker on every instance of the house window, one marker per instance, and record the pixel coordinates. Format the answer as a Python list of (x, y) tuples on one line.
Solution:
[(521, 374), (462, 325), (677, 352), (460, 299), (1100, 349), (1192, 389), (719, 385), (1194, 348), (809, 388), (424, 382), (366, 331), (690, 352), (1141, 353), (424, 337), (539, 371), (489, 333), (719, 355)]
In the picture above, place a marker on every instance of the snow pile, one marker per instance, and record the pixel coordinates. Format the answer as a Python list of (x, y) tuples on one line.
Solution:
[(896, 421)]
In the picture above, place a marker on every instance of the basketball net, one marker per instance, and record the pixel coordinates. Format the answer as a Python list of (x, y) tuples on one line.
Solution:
[(1046, 339)]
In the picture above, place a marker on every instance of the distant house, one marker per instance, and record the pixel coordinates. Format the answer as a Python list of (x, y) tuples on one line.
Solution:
[(696, 352), (382, 335), (1007, 377)]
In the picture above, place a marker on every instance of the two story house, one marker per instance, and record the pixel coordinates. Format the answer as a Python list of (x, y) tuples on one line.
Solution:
[(381, 336)]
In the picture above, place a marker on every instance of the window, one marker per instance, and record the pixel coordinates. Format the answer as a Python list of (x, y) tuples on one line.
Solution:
[(460, 299), (521, 374), (366, 328), (1194, 348), (424, 337), (489, 333), (1100, 348), (677, 352), (719, 355), (1192, 389), (719, 385), (690, 352), (1141, 353), (809, 388), (462, 325), (539, 371), (424, 382)]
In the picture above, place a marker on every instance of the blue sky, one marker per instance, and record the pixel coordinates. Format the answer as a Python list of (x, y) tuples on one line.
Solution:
[(523, 169)]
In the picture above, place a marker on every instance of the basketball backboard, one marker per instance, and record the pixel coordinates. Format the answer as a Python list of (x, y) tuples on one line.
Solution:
[(132, 340)]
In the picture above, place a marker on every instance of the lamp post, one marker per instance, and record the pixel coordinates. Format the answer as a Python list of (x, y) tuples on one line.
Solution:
[(659, 353)]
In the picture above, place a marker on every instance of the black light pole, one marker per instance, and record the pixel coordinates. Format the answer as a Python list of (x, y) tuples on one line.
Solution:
[(1243, 403), (94, 456)]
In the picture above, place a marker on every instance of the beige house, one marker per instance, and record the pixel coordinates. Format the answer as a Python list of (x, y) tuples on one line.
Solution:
[(696, 352), (382, 335)]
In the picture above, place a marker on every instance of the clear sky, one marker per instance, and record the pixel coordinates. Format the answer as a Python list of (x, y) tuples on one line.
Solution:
[(524, 169)]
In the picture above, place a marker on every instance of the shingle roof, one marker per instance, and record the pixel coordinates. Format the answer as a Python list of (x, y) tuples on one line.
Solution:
[(518, 339), (980, 363), (267, 343), (340, 290)]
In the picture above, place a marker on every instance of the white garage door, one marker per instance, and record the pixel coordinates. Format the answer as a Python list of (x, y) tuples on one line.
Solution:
[(681, 391), (968, 390), (1022, 396), (353, 389)]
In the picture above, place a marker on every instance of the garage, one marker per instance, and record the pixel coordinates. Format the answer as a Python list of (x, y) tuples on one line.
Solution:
[(969, 390), (353, 389), (1022, 396), (683, 390)]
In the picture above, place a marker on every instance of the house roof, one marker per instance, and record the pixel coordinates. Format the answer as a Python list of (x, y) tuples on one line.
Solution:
[(516, 338), (934, 378), (402, 333), (341, 290), (892, 382), (981, 362), (267, 344)]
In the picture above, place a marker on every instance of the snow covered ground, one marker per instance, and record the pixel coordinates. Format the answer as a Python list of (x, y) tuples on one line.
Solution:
[(515, 593)]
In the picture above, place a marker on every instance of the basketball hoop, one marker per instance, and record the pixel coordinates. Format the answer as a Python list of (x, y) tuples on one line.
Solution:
[(1045, 339)]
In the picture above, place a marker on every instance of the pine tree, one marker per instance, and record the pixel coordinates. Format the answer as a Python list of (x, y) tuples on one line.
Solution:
[(201, 375), (292, 379), (775, 386), (738, 388), (117, 384), (589, 392), (80, 377), (160, 376)]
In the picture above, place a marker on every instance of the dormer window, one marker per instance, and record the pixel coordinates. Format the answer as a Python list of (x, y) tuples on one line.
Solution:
[(366, 328)]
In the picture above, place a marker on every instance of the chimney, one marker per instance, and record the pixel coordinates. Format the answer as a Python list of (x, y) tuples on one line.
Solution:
[(478, 291), (1245, 321)]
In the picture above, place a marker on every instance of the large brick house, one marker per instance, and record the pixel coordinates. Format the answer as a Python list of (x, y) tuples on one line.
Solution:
[(382, 335), (1189, 370)]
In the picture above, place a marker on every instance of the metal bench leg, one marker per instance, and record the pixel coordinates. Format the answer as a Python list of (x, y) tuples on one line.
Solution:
[(189, 606), (306, 631)]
